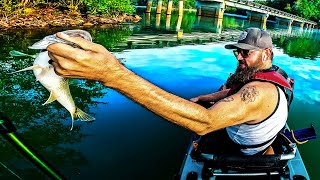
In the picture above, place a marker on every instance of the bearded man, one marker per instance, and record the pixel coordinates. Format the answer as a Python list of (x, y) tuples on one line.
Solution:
[(250, 112), (254, 54)]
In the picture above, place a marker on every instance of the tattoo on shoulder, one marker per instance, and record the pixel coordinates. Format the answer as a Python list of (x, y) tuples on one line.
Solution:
[(249, 94), (227, 99)]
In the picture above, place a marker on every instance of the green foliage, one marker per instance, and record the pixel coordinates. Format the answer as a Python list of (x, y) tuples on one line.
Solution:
[(281, 5), (187, 4), (6, 6), (288, 8), (9, 8), (232, 23), (112, 7), (308, 9), (109, 6), (73, 5), (231, 10)]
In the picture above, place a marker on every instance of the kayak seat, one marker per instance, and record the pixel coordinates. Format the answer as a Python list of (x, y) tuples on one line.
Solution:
[(267, 164)]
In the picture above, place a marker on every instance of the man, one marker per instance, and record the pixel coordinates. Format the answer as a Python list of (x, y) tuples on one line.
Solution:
[(252, 111)]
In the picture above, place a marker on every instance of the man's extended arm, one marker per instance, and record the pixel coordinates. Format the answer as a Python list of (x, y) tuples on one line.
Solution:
[(96, 63)]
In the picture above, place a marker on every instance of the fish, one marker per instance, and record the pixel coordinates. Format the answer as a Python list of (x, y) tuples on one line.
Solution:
[(55, 84)]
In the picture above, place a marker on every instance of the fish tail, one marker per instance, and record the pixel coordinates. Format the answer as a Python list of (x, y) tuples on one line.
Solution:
[(80, 115)]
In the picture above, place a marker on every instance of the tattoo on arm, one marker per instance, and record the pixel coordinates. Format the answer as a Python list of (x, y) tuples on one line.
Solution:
[(249, 94)]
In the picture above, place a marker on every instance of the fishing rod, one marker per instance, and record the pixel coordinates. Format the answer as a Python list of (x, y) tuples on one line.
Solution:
[(8, 131)]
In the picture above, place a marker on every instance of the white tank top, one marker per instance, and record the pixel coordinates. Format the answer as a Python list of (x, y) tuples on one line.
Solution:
[(266, 130)]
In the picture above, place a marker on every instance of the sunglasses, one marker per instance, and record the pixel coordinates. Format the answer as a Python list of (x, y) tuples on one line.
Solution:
[(244, 53)]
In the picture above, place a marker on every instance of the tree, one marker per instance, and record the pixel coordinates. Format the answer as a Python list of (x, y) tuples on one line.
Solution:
[(308, 9)]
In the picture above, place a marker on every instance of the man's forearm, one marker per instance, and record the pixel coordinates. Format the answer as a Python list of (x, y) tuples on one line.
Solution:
[(173, 108), (214, 97)]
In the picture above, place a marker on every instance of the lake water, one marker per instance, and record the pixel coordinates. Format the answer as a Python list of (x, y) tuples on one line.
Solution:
[(127, 141)]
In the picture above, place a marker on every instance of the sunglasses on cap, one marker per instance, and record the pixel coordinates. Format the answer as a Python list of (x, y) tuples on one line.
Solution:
[(244, 53)]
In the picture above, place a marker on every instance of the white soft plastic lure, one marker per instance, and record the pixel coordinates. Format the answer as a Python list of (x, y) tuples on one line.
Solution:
[(57, 85)]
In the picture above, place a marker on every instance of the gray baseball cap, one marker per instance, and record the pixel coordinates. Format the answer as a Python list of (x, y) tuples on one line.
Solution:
[(252, 38)]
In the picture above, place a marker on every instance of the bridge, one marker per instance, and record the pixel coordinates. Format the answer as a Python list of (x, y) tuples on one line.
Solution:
[(255, 12)]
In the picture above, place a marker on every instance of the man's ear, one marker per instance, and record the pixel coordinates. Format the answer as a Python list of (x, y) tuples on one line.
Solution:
[(268, 53), (264, 55)]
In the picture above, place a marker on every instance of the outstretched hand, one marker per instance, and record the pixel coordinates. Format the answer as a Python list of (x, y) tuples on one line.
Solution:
[(92, 62)]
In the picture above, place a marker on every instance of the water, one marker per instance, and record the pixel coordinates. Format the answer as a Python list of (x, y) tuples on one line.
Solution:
[(127, 141)]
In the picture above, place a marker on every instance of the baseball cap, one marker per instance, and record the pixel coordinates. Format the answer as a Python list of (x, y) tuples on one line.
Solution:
[(252, 38)]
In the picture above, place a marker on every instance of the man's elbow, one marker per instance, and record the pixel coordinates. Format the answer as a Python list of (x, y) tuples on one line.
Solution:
[(203, 130)]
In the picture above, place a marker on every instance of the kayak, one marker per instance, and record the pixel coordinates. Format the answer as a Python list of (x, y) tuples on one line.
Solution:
[(287, 164)]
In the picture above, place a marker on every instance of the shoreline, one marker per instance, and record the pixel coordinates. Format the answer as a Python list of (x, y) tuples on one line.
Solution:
[(50, 17)]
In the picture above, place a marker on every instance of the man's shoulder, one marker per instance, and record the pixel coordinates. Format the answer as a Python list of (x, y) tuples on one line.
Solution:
[(262, 91), (263, 85)]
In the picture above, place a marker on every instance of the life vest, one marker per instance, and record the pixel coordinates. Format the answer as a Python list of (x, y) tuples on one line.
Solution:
[(273, 75)]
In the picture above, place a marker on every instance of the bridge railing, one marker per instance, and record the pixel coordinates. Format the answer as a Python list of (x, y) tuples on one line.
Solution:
[(266, 8)]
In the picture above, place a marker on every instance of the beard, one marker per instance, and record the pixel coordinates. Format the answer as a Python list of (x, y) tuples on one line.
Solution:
[(244, 74)]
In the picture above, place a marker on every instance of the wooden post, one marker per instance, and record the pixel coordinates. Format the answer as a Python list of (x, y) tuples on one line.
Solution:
[(169, 8), (179, 31), (307, 26), (148, 17), (301, 27), (220, 19), (149, 5), (159, 7), (290, 26), (199, 11), (158, 18), (257, 19), (264, 21), (168, 21), (179, 23), (180, 8)]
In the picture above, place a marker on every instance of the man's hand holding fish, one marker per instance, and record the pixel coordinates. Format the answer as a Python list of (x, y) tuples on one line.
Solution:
[(92, 62)]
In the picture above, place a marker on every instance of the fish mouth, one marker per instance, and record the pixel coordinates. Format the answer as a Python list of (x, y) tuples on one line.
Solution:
[(42, 44), (51, 39)]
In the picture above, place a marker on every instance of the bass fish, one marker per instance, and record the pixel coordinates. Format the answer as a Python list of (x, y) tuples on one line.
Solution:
[(55, 84)]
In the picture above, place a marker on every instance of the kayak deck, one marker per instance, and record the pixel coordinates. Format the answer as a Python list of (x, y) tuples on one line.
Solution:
[(192, 170)]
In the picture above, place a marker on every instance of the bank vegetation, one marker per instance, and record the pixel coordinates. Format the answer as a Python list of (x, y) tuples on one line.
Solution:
[(47, 13)]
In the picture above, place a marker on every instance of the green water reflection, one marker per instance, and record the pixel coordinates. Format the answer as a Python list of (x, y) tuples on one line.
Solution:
[(299, 47), (47, 127)]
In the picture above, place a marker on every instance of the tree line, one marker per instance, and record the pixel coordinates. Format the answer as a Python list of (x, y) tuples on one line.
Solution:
[(308, 9)]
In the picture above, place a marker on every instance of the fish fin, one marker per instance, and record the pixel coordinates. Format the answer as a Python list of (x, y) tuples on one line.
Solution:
[(72, 121), (80, 115), (52, 98), (28, 68), (18, 53)]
